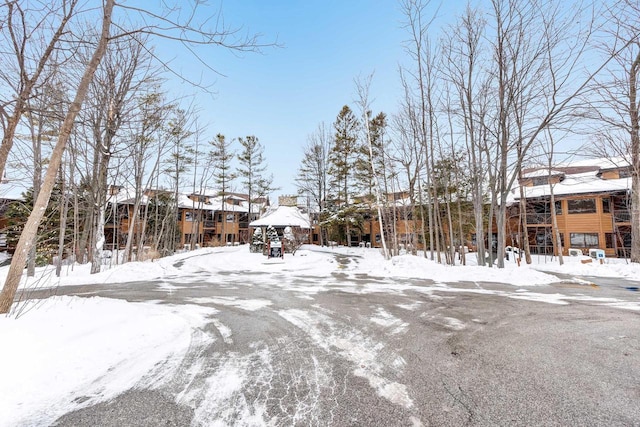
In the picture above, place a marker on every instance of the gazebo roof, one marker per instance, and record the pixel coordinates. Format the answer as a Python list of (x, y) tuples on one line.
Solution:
[(283, 216)]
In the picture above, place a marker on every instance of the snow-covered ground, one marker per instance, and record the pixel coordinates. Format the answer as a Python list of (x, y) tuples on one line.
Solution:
[(62, 350)]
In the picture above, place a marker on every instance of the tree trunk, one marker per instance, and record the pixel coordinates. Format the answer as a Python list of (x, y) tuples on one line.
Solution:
[(525, 226), (463, 256), (64, 209), (100, 202), (502, 232), (554, 224), (131, 229), (97, 241), (634, 117), (478, 209), (31, 227), (452, 249)]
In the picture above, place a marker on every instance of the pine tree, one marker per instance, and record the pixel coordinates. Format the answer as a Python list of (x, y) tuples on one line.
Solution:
[(341, 156), (341, 162), (221, 156), (48, 230), (251, 169), (363, 173)]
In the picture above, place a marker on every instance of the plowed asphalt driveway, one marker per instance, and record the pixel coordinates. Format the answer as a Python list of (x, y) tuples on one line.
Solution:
[(388, 355)]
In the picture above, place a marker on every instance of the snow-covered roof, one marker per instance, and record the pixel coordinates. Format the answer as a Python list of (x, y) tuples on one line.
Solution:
[(602, 163), (542, 172), (127, 196), (215, 204), (283, 216), (578, 184)]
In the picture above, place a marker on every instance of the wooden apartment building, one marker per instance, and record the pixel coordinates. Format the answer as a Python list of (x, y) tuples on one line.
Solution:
[(203, 219), (592, 205)]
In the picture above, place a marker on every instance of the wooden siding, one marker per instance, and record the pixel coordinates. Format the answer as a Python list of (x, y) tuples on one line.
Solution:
[(610, 174), (599, 223)]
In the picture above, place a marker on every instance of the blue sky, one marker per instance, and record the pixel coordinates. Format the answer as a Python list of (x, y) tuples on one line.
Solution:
[(282, 94)]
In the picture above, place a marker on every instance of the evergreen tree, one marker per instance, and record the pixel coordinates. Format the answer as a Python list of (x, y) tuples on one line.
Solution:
[(48, 230), (251, 169), (363, 173), (342, 159), (272, 234), (342, 155), (221, 156), (257, 241)]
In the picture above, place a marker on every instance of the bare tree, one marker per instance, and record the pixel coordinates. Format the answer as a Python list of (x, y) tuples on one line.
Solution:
[(419, 49), (146, 152), (171, 24), (616, 104), (31, 227), (524, 64), (32, 35), (464, 71), (112, 103), (549, 150), (41, 119), (179, 133), (312, 179), (409, 155), (362, 89)]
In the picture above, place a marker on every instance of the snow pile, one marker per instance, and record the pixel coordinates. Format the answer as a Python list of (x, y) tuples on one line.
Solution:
[(70, 352), (611, 267), (320, 261), (411, 266)]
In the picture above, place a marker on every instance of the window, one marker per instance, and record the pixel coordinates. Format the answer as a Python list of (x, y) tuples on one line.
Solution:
[(606, 206), (608, 237), (584, 240), (581, 206), (540, 180), (188, 216), (624, 173), (230, 217)]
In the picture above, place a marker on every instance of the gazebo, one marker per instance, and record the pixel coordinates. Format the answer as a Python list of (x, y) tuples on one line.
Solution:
[(281, 218)]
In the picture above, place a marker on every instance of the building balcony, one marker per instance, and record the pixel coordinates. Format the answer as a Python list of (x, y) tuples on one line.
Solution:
[(538, 218), (622, 217)]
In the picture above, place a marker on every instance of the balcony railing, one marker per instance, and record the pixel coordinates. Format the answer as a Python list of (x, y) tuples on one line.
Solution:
[(622, 216), (209, 224), (538, 218)]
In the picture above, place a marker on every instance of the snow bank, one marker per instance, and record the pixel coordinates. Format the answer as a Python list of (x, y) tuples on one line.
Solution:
[(69, 352)]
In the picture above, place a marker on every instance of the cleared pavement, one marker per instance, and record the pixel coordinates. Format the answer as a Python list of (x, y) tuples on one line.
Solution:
[(367, 351)]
